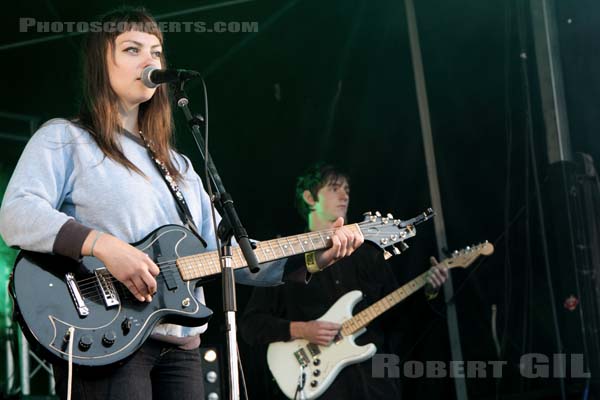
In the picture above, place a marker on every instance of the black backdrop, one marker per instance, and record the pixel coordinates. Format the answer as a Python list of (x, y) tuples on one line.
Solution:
[(333, 81)]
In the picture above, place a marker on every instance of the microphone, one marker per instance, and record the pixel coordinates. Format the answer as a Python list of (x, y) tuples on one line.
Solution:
[(152, 76)]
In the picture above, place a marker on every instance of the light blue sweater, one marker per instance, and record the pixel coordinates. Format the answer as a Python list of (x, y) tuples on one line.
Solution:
[(62, 174)]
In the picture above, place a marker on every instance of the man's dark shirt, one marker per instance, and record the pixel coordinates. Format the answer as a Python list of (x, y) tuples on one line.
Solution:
[(269, 311)]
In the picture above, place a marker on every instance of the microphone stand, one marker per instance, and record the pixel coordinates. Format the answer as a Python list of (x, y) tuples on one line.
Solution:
[(230, 225)]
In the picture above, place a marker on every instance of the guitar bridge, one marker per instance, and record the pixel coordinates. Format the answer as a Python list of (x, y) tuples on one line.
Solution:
[(301, 357), (107, 288)]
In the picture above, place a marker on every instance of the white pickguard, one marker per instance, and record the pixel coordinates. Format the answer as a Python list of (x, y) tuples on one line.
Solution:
[(286, 368)]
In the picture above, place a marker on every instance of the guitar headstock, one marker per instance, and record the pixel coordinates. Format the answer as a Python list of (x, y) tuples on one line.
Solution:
[(465, 257), (389, 233)]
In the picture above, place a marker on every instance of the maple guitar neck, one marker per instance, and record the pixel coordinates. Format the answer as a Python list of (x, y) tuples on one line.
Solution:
[(464, 258)]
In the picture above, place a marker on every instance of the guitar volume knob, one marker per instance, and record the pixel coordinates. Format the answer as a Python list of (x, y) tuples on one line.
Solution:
[(316, 372), (314, 383), (316, 361), (109, 338), (85, 342)]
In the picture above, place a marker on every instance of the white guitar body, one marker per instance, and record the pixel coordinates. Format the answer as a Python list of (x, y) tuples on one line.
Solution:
[(321, 364)]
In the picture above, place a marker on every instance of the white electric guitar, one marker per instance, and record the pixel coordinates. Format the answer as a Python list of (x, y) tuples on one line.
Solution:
[(305, 370)]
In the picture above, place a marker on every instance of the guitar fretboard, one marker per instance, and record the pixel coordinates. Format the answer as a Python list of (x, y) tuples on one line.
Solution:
[(367, 315), (207, 264)]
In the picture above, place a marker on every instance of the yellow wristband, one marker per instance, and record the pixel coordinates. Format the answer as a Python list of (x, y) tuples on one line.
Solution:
[(311, 262)]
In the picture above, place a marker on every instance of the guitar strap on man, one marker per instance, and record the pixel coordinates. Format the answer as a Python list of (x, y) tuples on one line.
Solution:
[(182, 207)]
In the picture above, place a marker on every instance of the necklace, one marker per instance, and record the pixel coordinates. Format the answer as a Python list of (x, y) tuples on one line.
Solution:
[(163, 168)]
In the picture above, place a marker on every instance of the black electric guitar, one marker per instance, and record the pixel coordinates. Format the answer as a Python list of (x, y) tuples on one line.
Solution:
[(55, 295)]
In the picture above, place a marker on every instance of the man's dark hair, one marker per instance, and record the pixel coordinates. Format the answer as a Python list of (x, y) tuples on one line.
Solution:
[(313, 179)]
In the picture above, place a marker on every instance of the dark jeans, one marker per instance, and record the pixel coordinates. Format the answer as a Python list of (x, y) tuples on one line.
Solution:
[(157, 371)]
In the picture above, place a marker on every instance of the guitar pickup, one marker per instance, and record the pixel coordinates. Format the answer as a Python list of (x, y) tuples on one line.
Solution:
[(82, 309), (338, 337), (167, 273), (107, 288), (313, 349), (301, 357)]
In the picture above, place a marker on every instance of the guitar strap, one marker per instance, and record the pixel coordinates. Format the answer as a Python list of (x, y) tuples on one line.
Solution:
[(182, 207)]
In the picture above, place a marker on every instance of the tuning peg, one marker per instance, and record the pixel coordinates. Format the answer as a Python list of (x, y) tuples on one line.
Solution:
[(369, 216), (390, 216), (387, 255), (396, 250), (377, 214), (403, 246)]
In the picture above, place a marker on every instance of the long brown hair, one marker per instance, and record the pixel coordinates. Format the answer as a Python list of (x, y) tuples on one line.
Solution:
[(99, 107)]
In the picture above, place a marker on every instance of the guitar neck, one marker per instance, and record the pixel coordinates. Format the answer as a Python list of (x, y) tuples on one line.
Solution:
[(207, 264), (363, 318)]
